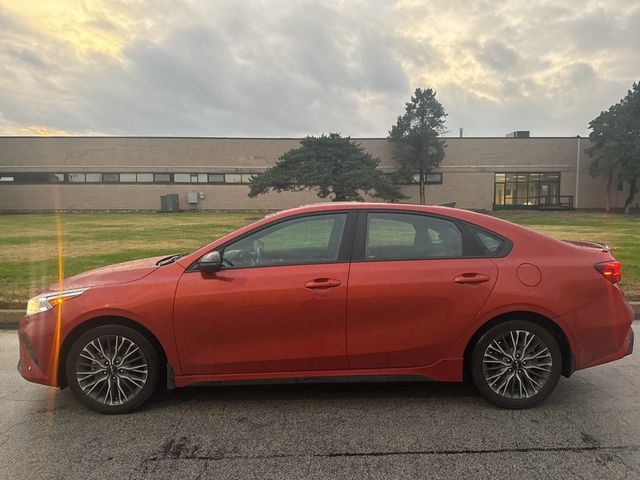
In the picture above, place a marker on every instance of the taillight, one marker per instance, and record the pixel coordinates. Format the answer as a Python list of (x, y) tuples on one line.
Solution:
[(612, 271)]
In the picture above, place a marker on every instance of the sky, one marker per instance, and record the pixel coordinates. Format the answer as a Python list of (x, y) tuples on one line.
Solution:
[(291, 68)]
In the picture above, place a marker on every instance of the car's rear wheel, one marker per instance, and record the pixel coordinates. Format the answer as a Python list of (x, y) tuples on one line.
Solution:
[(516, 364), (112, 369)]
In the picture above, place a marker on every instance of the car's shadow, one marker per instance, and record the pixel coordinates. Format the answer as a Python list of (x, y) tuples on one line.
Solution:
[(325, 391)]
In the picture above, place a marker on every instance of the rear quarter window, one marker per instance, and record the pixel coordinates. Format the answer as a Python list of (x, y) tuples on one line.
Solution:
[(492, 244)]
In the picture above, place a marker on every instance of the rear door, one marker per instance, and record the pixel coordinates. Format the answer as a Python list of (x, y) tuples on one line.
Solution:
[(415, 282)]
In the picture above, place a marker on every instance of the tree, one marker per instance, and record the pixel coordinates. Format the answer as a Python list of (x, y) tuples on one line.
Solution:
[(615, 138), (603, 150), (335, 166), (415, 138)]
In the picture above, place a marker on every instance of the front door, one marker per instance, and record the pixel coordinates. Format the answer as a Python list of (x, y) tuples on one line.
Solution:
[(413, 291), (278, 304)]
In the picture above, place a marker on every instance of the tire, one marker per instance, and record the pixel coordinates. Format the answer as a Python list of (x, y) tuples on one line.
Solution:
[(505, 375), (112, 369)]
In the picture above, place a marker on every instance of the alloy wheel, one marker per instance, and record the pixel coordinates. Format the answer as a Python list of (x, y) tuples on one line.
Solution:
[(517, 364), (111, 369)]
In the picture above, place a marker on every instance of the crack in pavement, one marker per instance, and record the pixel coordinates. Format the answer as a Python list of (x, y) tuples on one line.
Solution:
[(221, 456)]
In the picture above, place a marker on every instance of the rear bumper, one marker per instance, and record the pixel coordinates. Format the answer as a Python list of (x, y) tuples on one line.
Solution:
[(601, 331)]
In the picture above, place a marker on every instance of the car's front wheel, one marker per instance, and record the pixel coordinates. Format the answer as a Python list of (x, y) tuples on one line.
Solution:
[(112, 369), (516, 364)]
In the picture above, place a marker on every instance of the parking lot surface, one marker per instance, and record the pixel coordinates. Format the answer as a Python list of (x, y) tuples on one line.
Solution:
[(588, 428)]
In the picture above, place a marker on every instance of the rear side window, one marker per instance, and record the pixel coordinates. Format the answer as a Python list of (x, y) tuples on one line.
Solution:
[(404, 236)]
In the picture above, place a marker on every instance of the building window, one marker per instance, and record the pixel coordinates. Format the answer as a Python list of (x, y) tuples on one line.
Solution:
[(527, 189), (232, 178), (430, 178), (111, 177), (127, 178), (620, 182), (162, 178), (93, 177), (181, 177)]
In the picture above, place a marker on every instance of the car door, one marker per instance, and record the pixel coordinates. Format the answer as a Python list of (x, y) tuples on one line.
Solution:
[(416, 281), (277, 305)]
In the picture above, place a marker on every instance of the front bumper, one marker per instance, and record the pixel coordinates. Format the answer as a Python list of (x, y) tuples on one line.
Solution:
[(38, 362)]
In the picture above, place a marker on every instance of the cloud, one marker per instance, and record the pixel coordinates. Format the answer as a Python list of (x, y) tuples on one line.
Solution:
[(278, 68)]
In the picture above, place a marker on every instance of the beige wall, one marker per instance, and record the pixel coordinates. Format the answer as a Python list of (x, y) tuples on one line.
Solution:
[(468, 170)]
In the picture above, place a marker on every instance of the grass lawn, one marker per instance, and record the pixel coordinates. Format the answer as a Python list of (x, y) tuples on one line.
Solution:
[(28, 243)]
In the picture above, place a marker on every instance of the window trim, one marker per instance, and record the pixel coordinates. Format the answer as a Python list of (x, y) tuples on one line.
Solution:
[(471, 246), (344, 250)]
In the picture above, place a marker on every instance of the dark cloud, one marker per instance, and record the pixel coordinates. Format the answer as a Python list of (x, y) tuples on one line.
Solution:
[(498, 56)]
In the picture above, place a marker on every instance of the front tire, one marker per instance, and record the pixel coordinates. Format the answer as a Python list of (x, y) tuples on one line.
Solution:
[(516, 364), (112, 369)]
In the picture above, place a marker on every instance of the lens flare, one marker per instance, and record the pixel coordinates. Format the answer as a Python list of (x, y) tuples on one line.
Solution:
[(55, 347)]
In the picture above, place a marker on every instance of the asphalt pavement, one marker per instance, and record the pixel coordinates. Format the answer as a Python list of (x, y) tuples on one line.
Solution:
[(589, 428)]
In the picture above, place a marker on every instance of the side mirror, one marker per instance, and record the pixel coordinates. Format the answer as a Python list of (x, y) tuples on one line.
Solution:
[(211, 262)]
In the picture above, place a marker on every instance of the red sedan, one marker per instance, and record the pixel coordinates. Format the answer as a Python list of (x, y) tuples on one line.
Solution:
[(337, 290)]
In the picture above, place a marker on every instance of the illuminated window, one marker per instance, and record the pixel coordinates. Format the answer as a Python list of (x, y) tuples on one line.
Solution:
[(527, 189)]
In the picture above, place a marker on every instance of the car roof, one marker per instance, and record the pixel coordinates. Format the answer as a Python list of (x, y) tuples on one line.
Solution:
[(433, 209)]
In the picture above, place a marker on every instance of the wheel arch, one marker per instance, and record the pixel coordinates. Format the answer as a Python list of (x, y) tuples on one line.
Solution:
[(568, 359), (108, 320)]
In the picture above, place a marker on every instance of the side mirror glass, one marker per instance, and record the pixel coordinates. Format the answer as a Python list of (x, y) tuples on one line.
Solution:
[(211, 262)]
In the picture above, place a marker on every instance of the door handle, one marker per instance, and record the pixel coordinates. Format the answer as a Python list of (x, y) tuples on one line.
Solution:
[(322, 283), (471, 278)]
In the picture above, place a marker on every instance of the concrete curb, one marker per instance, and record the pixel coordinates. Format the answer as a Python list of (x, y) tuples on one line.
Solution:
[(10, 318)]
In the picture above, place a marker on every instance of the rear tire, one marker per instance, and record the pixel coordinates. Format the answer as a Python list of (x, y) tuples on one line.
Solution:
[(516, 364), (112, 369)]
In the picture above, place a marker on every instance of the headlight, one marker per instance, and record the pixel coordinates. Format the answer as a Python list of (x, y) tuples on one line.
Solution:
[(45, 302)]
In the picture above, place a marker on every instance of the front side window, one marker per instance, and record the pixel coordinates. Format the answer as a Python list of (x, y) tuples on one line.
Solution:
[(313, 239), (404, 236)]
